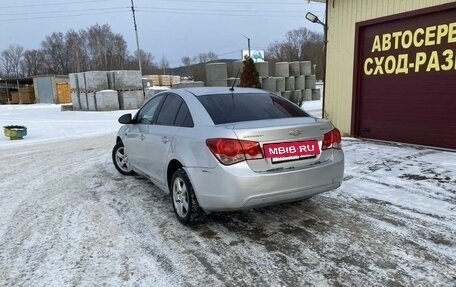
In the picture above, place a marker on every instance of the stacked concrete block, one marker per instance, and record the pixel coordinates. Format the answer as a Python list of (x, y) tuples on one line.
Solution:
[(316, 95), (282, 69), (294, 69), (269, 84), (73, 77), (311, 82), (123, 80), (262, 69), (307, 94), (74, 87), (95, 81), (280, 84), (107, 100), (216, 75), (305, 68), (300, 82), (76, 101), (150, 92), (290, 83), (130, 100), (83, 101), (81, 82), (91, 101)]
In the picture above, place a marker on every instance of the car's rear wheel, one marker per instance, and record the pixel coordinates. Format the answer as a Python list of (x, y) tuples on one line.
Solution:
[(120, 159), (183, 198)]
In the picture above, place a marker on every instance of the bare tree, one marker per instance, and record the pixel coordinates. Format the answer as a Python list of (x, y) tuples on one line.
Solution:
[(33, 63), (98, 43), (55, 53), (6, 67), (94, 48), (164, 64), (187, 61), (205, 57), (299, 45), (11, 60), (119, 52), (77, 55)]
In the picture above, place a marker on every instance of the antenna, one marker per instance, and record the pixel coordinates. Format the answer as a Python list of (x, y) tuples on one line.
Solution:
[(234, 83)]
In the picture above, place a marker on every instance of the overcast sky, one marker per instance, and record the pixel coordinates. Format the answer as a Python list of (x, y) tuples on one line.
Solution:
[(173, 28)]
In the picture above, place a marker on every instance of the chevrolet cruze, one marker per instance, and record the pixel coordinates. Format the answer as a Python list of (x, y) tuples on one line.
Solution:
[(219, 149)]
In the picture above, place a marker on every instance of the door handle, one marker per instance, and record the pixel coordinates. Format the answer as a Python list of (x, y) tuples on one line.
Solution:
[(165, 139), (142, 137)]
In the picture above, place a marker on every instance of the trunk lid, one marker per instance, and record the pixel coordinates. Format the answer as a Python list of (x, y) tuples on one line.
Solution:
[(288, 130)]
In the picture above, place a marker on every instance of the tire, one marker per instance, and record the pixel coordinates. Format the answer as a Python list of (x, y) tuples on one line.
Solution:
[(120, 159), (183, 199)]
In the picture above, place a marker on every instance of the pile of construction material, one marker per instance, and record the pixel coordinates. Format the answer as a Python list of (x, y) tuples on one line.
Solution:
[(106, 90), (161, 80), (292, 80)]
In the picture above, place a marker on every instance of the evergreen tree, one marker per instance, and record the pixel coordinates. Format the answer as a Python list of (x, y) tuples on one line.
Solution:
[(249, 75)]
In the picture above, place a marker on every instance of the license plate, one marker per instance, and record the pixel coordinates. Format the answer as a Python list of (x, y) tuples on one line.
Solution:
[(291, 150)]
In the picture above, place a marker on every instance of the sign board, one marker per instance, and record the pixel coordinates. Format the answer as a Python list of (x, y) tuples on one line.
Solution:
[(256, 55), (406, 78)]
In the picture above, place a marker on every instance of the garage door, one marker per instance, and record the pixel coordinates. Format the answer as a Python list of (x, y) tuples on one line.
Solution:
[(405, 78)]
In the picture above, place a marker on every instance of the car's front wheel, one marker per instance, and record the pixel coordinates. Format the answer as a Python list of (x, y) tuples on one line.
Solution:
[(183, 198), (120, 159)]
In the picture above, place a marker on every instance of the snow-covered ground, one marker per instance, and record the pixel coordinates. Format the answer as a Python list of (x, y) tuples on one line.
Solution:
[(67, 217), (47, 123)]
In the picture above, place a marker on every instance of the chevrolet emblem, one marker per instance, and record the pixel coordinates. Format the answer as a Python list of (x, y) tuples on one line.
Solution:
[(295, 133)]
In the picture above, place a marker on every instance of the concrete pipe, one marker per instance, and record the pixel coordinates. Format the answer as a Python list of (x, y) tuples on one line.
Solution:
[(305, 68), (296, 96), (269, 84), (282, 69), (286, 95), (233, 82), (216, 72), (311, 82), (316, 95), (280, 84), (294, 69), (262, 69), (307, 95), (290, 83), (300, 82), (238, 67)]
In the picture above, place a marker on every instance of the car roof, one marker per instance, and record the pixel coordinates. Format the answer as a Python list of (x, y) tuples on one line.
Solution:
[(202, 91)]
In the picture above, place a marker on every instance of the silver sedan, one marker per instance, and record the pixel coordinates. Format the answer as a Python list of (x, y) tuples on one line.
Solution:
[(219, 149)]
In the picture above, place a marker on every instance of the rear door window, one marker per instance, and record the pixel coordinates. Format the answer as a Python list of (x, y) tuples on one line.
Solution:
[(169, 110), (231, 108), (183, 118)]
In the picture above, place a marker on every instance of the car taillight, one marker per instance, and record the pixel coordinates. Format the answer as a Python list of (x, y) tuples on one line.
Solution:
[(231, 151), (332, 139)]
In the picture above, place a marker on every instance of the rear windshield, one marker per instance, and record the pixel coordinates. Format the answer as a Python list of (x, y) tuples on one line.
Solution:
[(231, 108)]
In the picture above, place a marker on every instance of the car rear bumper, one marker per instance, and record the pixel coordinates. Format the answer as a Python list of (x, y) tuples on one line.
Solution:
[(238, 187)]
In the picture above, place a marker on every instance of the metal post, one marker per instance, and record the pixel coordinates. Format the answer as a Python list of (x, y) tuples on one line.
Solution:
[(248, 42), (137, 39)]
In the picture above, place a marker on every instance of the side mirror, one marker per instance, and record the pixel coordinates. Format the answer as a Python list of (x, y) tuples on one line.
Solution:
[(125, 119)]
